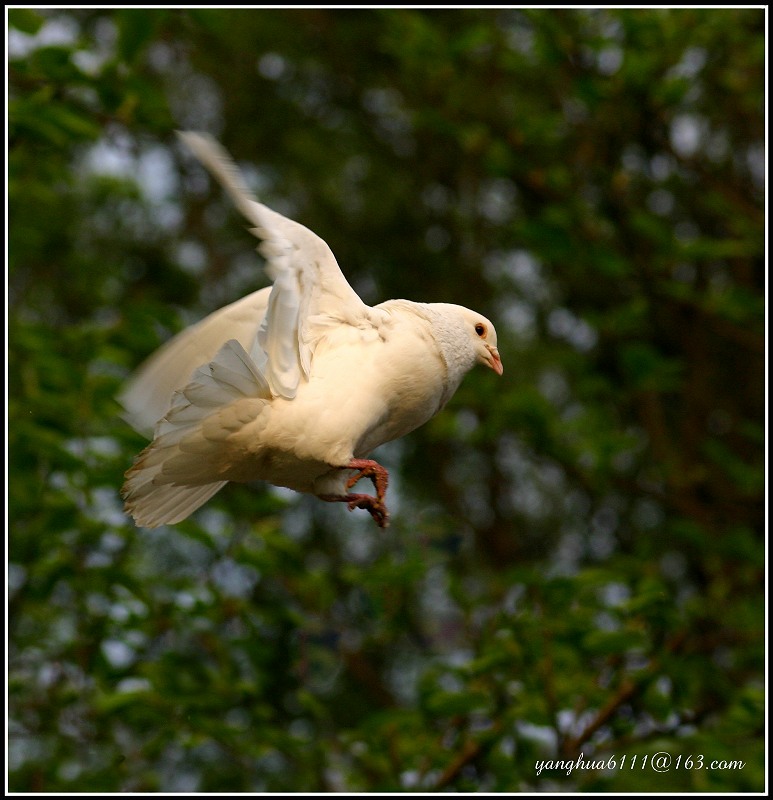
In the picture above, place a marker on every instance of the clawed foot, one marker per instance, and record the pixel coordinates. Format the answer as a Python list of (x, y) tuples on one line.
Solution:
[(375, 506)]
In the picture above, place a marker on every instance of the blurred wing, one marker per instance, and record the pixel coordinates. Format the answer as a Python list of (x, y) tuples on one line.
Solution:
[(148, 393), (309, 293)]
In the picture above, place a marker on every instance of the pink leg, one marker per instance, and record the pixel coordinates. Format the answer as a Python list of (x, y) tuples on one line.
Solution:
[(374, 505)]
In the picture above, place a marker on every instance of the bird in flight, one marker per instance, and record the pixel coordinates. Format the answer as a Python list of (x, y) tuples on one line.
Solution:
[(295, 384)]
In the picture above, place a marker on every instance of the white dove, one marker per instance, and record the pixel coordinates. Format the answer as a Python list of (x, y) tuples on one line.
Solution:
[(294, 384)]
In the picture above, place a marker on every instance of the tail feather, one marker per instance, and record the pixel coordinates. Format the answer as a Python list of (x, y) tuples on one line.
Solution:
[(170, 504)]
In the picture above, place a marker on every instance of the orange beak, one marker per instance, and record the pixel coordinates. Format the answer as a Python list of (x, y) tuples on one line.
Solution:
[(495, 362)]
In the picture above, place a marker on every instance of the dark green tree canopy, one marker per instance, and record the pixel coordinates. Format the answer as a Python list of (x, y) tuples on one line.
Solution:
[(575, 567)]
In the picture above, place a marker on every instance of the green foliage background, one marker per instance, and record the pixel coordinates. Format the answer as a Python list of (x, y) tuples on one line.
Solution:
[(576, 561)]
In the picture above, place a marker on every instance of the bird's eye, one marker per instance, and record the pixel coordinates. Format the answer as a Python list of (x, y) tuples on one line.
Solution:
[(480, 329)]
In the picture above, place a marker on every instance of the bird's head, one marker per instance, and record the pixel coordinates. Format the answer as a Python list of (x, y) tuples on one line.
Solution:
[(484, 339), (469, 337)]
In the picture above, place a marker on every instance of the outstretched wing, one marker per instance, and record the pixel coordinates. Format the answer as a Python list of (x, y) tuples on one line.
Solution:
[(148, 393), (309, 293)]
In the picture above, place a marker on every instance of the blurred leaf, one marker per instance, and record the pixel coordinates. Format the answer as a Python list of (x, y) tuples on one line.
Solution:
[(25, 20)]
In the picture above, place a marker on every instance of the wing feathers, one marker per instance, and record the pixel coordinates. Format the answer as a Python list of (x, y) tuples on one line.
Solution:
[(184, 465), (147, 394), (307, 279), (217, 160)]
